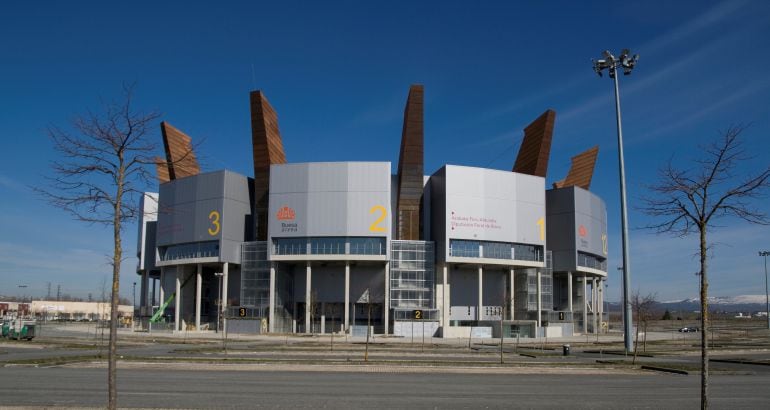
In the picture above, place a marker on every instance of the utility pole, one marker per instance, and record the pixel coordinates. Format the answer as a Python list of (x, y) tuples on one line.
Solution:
[(58, 292)]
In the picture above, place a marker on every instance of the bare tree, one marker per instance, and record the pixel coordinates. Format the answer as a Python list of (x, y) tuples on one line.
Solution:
[(642, 306), (97, 179), (689, 201)]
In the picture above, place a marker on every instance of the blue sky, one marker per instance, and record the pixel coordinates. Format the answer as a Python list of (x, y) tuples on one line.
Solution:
[(338, 74)]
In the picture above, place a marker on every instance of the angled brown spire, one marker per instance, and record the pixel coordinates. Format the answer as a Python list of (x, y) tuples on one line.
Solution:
[(536, 146), (179, 153), (581, 171), (410, 167), (161, 167), (267, 149)]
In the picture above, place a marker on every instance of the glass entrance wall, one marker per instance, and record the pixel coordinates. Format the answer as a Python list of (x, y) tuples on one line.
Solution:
[(255, 278), (412, 274)]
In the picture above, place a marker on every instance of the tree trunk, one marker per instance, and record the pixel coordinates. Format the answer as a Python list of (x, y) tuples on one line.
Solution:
[(112, 401), (704, 307)]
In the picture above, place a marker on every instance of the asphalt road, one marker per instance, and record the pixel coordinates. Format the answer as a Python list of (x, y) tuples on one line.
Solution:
[(378, 388)]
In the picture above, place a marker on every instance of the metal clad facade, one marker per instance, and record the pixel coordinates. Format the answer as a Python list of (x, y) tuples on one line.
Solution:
[(205, 207), (330, 199), (487, 205), (577, 221)]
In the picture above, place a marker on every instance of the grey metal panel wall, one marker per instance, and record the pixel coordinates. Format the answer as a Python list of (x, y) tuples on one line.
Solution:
[(438, 212), (590, 213), (577, 221), (330, 199), (560, 216), (490, 205), (205, 207)]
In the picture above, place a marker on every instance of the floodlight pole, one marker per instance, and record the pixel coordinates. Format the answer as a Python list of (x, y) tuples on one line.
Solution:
[(767, 295), (626, 63), (627, 328)]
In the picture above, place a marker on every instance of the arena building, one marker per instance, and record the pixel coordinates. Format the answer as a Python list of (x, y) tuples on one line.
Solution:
[(360, 246)]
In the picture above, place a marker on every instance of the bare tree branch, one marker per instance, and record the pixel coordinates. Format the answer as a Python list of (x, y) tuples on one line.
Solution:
[(689, 201)]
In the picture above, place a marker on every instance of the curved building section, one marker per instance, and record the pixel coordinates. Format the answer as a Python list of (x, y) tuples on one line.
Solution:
[(577, 238), (325, 247), (489, 229), (329, 230)]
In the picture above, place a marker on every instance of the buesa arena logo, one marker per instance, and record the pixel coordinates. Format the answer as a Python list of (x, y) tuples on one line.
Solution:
[(286, 215)]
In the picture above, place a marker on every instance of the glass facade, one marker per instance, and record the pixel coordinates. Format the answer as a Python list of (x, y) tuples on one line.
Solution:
[(255, 277), (495, 250), (331, 245), (592, 261), (189, 251), (412, 274)]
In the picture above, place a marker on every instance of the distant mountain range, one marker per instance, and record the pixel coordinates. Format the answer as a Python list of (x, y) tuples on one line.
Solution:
[(742, 303)]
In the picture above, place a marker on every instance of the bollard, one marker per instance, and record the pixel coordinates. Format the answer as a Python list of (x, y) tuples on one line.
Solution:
[(565, 350)]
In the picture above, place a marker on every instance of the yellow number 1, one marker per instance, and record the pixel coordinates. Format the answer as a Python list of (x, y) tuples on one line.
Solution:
[(604, 243), (541, 225), (214, 218)]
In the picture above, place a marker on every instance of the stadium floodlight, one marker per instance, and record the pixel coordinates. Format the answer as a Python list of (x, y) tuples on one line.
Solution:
[(626, 62)]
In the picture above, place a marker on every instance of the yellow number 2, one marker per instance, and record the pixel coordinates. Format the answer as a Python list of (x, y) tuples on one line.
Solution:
[(214, 218), (541, 225), (374, 227)]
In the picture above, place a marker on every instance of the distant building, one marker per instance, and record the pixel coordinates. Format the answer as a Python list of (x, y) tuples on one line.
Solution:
[(318, 247), (53, 309)]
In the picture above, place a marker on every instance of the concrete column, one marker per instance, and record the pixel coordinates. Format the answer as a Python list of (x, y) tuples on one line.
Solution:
[(323, 317), (600, 301), (481, 293), (224, 304), (144, 290), (445, 300), (594, 300), (347, 296), (308, 283), (511, 289), (271, 308), (198, 284), (386, 313), (539, 300), (585, 304), (569, 292), (161, 291), (178, 297)]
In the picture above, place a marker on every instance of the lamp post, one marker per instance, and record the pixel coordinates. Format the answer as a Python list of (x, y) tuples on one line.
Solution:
[(133, 295), (767, 296), (626, 62)]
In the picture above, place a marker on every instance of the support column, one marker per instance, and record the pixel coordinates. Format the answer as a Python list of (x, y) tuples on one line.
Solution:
[(224, 304), (539, 300), (161, 291), (585, 304), (594, 300), (569, 293), (347, 296), (447, 301), (144, 289), (481, 293), (600, 301), (308, 283), (198, 285), (271, 308), (152, 297), (511, 289), (387, 297), (178, 298)]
